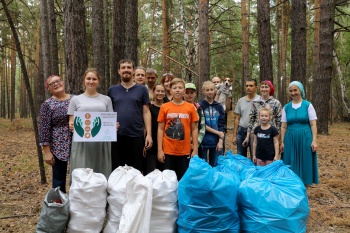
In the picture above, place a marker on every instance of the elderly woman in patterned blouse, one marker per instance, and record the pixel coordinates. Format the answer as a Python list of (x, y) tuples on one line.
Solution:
[(54, 134), (266, 100)]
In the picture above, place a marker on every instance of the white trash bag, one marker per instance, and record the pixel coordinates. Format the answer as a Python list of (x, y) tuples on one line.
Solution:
[(87, 197), (136, 212), (164, 202), (117, 197)]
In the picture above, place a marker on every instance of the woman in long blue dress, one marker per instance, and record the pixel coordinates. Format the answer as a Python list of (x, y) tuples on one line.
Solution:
[(299, 135)]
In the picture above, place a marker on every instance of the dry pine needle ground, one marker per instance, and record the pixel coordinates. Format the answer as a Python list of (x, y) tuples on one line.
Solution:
[(21, 193)]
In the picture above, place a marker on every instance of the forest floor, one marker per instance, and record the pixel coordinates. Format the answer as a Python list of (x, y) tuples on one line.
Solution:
[(22, 194)]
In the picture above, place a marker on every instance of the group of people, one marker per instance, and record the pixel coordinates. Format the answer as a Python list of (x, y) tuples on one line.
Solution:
[(270, 130), (161, 126)]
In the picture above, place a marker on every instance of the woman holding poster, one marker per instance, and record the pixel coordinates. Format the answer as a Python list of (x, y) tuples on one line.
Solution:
[(94, 155)]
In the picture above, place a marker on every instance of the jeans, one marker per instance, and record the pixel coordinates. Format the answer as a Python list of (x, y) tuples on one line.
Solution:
[(59, 173), (213, 155), (240, 137)]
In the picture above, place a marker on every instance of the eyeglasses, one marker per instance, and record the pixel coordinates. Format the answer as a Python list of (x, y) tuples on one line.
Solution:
[(55, 82)]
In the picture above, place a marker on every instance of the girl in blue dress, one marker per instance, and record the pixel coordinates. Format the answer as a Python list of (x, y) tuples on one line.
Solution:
[(299, 135)]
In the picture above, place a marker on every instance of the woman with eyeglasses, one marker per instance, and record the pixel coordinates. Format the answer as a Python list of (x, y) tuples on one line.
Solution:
[(54, 135)]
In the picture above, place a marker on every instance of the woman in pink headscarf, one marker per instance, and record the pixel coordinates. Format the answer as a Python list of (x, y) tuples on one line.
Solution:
[(266, 100)]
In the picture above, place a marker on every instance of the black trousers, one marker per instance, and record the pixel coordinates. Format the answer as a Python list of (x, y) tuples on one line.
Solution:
[(179, 164), (128, 151)]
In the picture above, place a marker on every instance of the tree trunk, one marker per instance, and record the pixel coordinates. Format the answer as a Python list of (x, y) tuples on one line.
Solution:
[(324, 79), (316, 49), (29, 90), (245, 46), (298, 64), (264, 36), (284, 45), (98, 39), (3, 81), (39, 80), (196, 38), (131, 29), (204, 63), (118, 37), (53, 37), (186, 41), (164, 36), (75, 44), (344, 99), (106, 46), (45, 38), (278, 43), (13, 81)]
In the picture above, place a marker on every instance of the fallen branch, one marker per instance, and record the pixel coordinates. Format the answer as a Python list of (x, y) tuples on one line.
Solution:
[(18, 216)]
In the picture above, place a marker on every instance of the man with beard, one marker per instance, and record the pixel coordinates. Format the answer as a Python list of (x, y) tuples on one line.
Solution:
[(131, 102)]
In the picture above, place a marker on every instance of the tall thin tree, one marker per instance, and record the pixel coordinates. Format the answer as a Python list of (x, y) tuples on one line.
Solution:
[(204, 62), (245, 45), (29, 91)]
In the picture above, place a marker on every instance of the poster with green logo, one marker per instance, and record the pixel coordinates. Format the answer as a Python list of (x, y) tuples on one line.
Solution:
[(95, 127)]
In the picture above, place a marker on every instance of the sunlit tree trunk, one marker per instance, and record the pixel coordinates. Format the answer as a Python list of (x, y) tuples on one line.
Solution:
[(344, 99), (204, 62), (316, 49), (118, 38), (245, 46), (164, 36), (196, 37), (284, 45), (264, 37), (324, 80), (278, 43), (298, 64), (98, 40), (75, 43), (186, 39)]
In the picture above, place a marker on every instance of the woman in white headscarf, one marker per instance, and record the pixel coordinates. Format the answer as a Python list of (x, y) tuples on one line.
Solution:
[(299, 135)]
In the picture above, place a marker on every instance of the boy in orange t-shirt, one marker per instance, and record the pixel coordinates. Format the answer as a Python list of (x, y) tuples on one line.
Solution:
[(177, 121)]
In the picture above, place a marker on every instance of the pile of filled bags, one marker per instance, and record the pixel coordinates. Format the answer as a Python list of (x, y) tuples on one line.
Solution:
[(235, 196)]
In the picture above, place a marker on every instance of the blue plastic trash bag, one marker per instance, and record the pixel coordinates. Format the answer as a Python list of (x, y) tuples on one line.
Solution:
[(238, 163), (207, 199), (274, 200)]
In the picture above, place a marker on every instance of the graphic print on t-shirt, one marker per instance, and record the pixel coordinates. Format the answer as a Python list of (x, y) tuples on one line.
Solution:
[(175, 129), (262, 135)]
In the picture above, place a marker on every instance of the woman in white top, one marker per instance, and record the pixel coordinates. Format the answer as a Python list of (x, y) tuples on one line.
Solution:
[(94, 155)]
